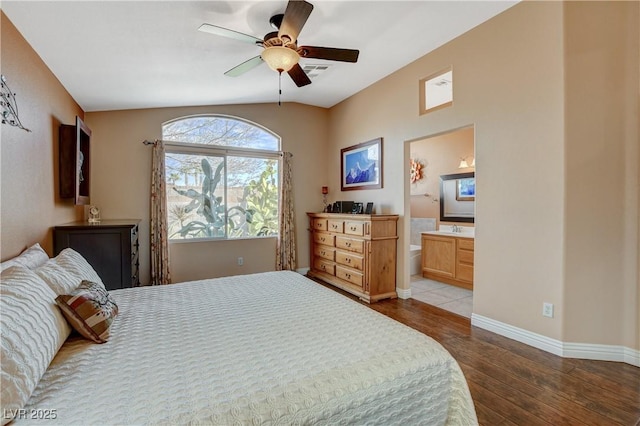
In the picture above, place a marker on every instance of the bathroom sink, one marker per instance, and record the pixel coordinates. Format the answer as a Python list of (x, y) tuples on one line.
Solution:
[(465, 233)]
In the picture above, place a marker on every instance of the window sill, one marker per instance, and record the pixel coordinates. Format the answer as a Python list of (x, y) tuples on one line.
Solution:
[(218, 240)]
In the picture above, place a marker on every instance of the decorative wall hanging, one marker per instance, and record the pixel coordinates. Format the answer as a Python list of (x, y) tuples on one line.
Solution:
[(361, 166), (9, 106), (416, 170)]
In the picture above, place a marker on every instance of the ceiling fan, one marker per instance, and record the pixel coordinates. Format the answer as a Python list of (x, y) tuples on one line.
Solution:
[(281, 52)]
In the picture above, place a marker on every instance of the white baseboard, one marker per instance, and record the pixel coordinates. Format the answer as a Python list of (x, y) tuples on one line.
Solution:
[(557, 347), (403, 293)]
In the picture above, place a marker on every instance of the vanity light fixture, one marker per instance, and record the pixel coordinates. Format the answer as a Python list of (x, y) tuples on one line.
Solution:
[(464, 165)]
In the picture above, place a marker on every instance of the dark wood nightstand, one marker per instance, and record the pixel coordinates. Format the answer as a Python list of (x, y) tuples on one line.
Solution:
[(110, 247)]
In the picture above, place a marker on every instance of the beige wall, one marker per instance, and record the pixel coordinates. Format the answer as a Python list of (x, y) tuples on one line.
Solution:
[(121, 168), (440, 155), (541, 225), (507, 82), (29, 161), (601, 178)]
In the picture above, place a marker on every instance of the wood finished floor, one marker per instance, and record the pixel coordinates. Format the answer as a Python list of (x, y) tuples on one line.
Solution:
[(515, 384)]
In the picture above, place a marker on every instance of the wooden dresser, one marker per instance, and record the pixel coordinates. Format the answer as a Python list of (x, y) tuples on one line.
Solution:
[(355, 252), (110, 247), (448, 259)]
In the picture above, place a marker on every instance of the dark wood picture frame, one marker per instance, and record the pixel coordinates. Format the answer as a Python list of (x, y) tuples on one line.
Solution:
[(361, 166)]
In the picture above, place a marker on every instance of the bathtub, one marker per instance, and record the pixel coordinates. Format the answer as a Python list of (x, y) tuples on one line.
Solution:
[(415, 259)]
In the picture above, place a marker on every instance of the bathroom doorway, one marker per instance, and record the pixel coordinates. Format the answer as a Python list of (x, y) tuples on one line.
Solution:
[(445, 154)]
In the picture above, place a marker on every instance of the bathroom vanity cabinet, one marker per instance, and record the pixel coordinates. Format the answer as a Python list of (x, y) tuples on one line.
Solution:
[(448, 258)]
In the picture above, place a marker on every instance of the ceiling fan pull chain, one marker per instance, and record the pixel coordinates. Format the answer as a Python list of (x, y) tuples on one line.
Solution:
[(279, 87)]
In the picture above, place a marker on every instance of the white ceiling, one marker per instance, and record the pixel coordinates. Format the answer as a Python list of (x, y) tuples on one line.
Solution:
[(114, 55)]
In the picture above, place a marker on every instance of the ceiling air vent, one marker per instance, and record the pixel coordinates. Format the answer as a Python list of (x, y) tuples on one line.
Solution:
[(314, 71)]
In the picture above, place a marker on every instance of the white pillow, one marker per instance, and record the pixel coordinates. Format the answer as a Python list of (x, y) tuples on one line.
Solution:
[(31, 258), (66, 271), (33, 329)]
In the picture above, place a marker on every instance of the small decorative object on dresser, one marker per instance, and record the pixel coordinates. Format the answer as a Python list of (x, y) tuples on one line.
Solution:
[(356, 253), (94, 214), (369, 209), (325, 191), (110, 247)]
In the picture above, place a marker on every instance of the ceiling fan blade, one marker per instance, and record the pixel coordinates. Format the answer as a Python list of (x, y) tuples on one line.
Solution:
[(244, 67), (225, 32), (329, 53), (298, 76), (295, 16)]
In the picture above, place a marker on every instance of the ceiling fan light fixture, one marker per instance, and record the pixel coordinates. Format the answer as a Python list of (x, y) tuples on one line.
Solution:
[(280, 58)]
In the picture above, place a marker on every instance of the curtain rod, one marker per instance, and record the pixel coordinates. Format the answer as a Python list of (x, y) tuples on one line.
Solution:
[(155, 141)]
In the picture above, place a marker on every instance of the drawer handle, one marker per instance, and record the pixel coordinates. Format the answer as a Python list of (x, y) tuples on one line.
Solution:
[(323, 253), (348, 244), (322, 239), (324, 267), (348, 276), (353, 228), (348, 260)]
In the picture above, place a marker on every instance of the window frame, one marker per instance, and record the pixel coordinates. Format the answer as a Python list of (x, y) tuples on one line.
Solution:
[(223, 151)]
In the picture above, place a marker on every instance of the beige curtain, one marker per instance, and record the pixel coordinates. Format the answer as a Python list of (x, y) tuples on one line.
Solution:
[(286, 249), (159, 229)]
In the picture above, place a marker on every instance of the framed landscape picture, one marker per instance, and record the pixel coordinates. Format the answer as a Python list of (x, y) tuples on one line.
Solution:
[(361, 166), (466, 189)]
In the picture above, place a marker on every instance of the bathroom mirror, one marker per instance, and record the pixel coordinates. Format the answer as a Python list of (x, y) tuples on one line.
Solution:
[(457, 197)]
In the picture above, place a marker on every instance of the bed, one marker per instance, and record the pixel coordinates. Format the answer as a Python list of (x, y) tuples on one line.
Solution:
[(269, 348)]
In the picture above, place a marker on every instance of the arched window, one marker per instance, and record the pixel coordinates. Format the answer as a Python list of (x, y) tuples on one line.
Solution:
[(222, 178)]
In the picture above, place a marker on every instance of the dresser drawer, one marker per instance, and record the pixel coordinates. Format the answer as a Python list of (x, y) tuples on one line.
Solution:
[(336, 226), (354, 228), (324, 239), (319, 224), (350, 244), (324, 266), (325, 252), (349, 275), (351, 260)]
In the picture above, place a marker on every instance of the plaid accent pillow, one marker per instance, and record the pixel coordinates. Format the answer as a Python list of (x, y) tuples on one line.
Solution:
[(90, 310)]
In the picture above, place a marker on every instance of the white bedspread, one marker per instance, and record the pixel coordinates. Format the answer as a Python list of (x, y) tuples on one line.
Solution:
[(272, 348)]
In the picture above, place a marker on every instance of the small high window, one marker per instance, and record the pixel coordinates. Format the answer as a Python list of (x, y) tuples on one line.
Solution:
[(436, 91), (222, 178)]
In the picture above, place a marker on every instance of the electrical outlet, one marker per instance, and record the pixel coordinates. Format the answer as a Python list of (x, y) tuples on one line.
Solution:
[(547, 310), (240, 261)]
